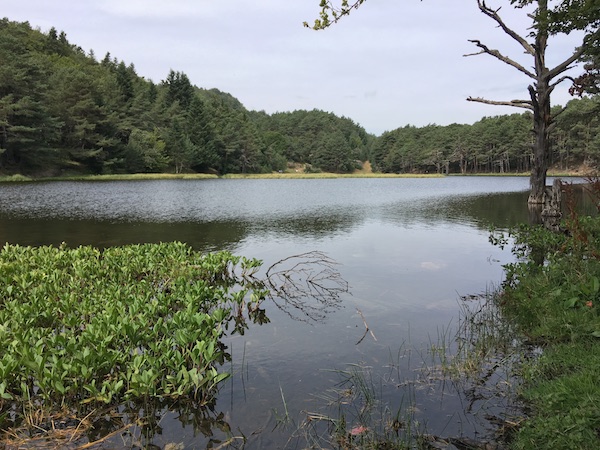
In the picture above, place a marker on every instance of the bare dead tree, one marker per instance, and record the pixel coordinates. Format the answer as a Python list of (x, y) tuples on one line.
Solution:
[(544, 81)]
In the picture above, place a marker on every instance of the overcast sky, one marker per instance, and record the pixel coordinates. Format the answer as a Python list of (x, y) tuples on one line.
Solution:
[(390, 64)]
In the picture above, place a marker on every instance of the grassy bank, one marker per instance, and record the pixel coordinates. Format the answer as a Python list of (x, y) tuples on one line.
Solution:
[(365, 173), (204, 176), (322, 175), (551, 173), (556, 307), (14, 178), (136, 176)]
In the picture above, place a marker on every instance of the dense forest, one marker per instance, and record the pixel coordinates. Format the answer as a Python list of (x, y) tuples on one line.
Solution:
[(497, 144), (63, 111)]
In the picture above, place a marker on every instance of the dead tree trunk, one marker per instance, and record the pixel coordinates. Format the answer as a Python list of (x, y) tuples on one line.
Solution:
[(542, 119), (539, 91), (551, 211)]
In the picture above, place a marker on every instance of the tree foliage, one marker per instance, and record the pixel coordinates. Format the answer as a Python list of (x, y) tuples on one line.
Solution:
[(63, 112), (330, 13), (499, 144)]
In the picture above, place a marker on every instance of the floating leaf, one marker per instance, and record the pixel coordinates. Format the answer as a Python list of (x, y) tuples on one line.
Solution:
[(358, 430)]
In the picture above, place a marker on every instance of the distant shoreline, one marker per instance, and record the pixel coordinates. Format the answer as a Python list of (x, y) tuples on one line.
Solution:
[(265, 176)]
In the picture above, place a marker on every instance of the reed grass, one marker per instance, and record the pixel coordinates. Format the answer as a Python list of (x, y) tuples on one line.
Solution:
[(267, 176), (134, 177), (357, 417), (477, 358), (205, 176), (320, 175)]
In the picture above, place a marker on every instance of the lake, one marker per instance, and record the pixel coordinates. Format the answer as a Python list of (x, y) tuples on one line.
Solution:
[(409, 248)]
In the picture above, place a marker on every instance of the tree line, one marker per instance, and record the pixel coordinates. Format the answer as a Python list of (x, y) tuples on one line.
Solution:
[(499, 144), (63, 111)]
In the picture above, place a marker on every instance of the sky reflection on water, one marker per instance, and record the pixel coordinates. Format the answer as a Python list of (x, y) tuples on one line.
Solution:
[(409, 249)]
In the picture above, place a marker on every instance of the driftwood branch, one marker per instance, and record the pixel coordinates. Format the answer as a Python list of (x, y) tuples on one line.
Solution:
[(527, 104), (308, 283), (367, 329)]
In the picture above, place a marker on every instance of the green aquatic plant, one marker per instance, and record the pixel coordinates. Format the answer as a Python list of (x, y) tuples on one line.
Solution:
[(84, 326), (84, 330)]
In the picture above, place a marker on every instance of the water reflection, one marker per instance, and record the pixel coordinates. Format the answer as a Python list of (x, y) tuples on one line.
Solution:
[(479, 211), (501, 210), (144, 425), (216, 214), (212, 236), (407, 247), (310, 225)]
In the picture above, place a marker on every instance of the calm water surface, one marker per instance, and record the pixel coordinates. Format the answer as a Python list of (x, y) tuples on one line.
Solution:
[(409, 249)]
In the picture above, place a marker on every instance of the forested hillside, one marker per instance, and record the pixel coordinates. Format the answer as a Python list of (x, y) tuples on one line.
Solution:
[(63, 111)]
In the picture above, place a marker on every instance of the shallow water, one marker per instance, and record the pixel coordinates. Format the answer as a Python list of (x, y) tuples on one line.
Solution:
[(409, 249)]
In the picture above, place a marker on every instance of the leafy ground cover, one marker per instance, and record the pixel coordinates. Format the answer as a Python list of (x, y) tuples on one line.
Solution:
[(556, 306), (85, 327)]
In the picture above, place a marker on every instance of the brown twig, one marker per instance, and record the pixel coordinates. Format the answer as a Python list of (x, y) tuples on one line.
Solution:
[(367, 329), (108, 436)]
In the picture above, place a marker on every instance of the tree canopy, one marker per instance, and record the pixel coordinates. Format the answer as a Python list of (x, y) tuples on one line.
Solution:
[(62, 112)]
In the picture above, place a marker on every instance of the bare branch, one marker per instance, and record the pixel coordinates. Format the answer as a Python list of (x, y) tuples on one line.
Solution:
[(565, 65), (496, 54), (561, 79), (474, 54), (515, 103), (496, 18), (367, 329), (308, 283)]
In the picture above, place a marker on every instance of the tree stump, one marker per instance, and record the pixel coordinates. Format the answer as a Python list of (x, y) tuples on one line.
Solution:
[(551, 210)]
